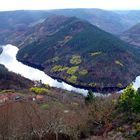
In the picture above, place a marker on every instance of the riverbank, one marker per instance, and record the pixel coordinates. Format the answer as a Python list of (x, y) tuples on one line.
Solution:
[(36, 72), (8, 58), (102, 90)]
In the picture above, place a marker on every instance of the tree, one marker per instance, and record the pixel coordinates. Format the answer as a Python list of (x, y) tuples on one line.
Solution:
[(90, 97), (101, 115), (129, 100)]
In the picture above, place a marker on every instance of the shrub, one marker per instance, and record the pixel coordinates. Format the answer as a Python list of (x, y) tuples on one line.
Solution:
[(129, 100), (118, 63), (59, 68), (93, 84), (72, 70), (37, 90), (72, 79), (47, 86), (44, 106), (119, 85), (90, 97), (95, 53), (83, 72), (76, 59)]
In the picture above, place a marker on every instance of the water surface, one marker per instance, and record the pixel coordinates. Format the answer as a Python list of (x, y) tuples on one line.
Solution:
[(8, 58)]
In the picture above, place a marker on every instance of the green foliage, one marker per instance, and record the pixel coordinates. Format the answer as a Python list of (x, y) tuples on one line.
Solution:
[(44, 106), (118, 63), (120, 129), (93, 84), (137, 127), (59, 68), (37, 90), (72, 70), (119, 85), (90, 97), (83, 72), (47, 86), (72, 79), (129, 100), (95, 53), (76, 59)]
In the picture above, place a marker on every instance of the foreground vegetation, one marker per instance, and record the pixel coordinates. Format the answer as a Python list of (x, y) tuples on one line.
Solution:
[(71, 118)]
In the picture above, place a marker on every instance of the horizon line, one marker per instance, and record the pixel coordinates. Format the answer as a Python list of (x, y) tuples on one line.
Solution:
[(8, 10)]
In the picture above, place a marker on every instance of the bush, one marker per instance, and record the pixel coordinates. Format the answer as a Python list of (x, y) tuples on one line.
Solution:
[(76, 59), (95, 53), (37, 90), (72, 79), (118, 63), (58, 68), (44, 106), (129, 100), (90, 97), (47, 86), (83, 72), (72, 70)]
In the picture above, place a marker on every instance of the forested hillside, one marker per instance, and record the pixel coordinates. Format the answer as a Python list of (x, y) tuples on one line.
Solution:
[(79, 53)]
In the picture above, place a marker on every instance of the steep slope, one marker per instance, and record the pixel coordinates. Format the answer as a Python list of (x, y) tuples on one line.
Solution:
[(14, 23), (80, 54), (10, 80), (132, 35)]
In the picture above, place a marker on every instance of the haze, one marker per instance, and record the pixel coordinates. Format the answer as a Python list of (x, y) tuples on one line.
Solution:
[(6, 5)]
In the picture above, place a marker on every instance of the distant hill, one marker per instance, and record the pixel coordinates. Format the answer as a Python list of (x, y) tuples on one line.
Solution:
[(114, 22), (10, 80), (79, 53), (15, 23), (132, 35)]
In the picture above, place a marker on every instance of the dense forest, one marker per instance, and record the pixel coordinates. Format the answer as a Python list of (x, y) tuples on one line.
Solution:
[(81, 54)]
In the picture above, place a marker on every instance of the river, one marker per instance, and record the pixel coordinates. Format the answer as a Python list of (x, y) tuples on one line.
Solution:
[(8, 58)]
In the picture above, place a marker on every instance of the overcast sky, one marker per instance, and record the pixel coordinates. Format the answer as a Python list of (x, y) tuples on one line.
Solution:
[(59, 4)]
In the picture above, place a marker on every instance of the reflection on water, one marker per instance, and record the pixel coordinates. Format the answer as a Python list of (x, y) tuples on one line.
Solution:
[(8, 58)]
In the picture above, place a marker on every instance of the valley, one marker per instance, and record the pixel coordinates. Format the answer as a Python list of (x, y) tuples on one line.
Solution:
[(70, 74)]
